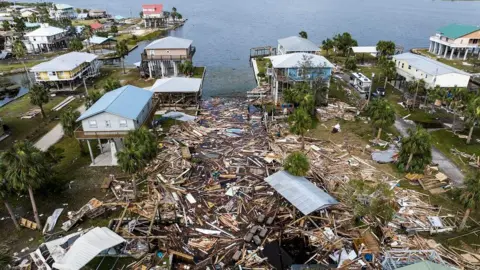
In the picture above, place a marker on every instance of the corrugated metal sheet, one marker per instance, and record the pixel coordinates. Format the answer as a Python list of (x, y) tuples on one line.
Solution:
[(45, 31), (427, 65), (298, 44), (294, 60), (177, 85), (300, 192), (127, 101), (65, 62), (170, 43), (87, 247)]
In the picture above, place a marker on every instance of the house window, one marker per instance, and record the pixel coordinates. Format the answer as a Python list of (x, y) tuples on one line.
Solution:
[(152, 52), (92, 123), (123, 123), (402, 65), (300, 72), (168, 51), (409, 67), (108, 124), (426, 76)]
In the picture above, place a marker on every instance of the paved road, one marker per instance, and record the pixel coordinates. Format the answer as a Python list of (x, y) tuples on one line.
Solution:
[(445, 164), (54, 135)]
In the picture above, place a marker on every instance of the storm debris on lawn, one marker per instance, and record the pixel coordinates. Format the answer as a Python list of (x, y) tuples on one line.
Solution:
[(216, 207)]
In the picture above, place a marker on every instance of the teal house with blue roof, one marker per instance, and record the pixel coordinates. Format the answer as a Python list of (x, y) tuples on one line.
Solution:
[(114, 115), (456, 41)]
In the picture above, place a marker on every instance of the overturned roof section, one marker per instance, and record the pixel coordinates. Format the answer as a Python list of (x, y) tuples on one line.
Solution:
[(65, 62), (300, 192), (170, 43), (427, 65), (425, 265), (177, 85), (87, 247), (45, 31), (127, 101), (295, 60), (298, 44)]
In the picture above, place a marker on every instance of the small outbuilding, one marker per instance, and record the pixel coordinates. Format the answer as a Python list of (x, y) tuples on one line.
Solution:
[(178, 91)]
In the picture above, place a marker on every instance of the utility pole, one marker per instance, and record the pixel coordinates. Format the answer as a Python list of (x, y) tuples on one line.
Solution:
[(370, 90)]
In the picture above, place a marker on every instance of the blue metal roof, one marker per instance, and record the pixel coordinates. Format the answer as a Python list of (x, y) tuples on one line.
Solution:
[(127, 101)]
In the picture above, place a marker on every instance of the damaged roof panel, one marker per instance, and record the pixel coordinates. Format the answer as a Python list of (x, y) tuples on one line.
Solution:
[(300, 192)]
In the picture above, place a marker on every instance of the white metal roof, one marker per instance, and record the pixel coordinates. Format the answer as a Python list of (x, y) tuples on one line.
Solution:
[(98, 40), (170, 43), (298, 44), (365, 49), (45, 31), (300, 192), (62, 6), (65, 62), (177, 85), (293, 60), (428, 65), (87, 247)]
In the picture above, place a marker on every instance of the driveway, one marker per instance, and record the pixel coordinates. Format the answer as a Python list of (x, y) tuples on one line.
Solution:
[(445, 165), (54, 135)]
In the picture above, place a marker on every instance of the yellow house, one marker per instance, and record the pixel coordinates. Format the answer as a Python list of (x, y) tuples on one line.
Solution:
[(67, 71)]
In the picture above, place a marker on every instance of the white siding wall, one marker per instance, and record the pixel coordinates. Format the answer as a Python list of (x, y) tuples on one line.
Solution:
[(453, 79), (102, 124)]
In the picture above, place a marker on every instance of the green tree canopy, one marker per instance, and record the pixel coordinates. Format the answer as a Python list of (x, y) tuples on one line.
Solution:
[(75, 45), (351, 63), (372, 200), (68, 119), (385, 48), (300, 122), (187, 68), (303, 34), (19, 25), (111, 84), (297, 164), (6, 26), (39, 96), (328, 44), (381, 114), (122, 50), (114, 29), (470, 195), (92, 97), (415, 151), (344, 42), (472, 114)]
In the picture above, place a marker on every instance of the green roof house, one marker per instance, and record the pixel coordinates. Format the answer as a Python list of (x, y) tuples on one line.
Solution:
[(455, 41)]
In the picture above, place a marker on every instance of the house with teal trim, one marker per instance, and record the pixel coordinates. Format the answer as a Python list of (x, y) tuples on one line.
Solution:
[(288, 69), (456, 41)]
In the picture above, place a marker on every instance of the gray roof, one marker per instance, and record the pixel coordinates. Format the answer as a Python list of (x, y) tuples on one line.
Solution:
[(294, 60), (177, 85), (298, 44), (300, 192), (65, 62), (127, 101), (170, 43), (428, 65), (98, 40), (45, 31)]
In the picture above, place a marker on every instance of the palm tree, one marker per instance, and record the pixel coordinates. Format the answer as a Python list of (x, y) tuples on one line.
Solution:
[(303, 34), (459, 98), (382, 114), (473, 115), (75, 45), (327, 45), (38, 96), (417, 144), (87, 32), (122, 50), (6, 26), (385, 48), (300, 123), (179, 16), (26, 168), (20, 51), (187, 68), (470, 196), (4, 190), (388, 70), (297, 164), (68, 119), (111, 84), (92, 98), (140, 148)]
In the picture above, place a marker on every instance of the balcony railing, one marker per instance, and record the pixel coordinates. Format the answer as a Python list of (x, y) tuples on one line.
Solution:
[(170, 57), (80, 134)]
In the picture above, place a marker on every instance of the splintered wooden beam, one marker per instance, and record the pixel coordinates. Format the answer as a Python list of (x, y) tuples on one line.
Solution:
[(153, 218), (121, 217)]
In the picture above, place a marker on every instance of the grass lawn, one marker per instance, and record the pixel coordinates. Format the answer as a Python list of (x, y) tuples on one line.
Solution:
[(10, 67), (31, 129), (262, 64), (444, 140), (87, 22), (457, 63), (198, 72)]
